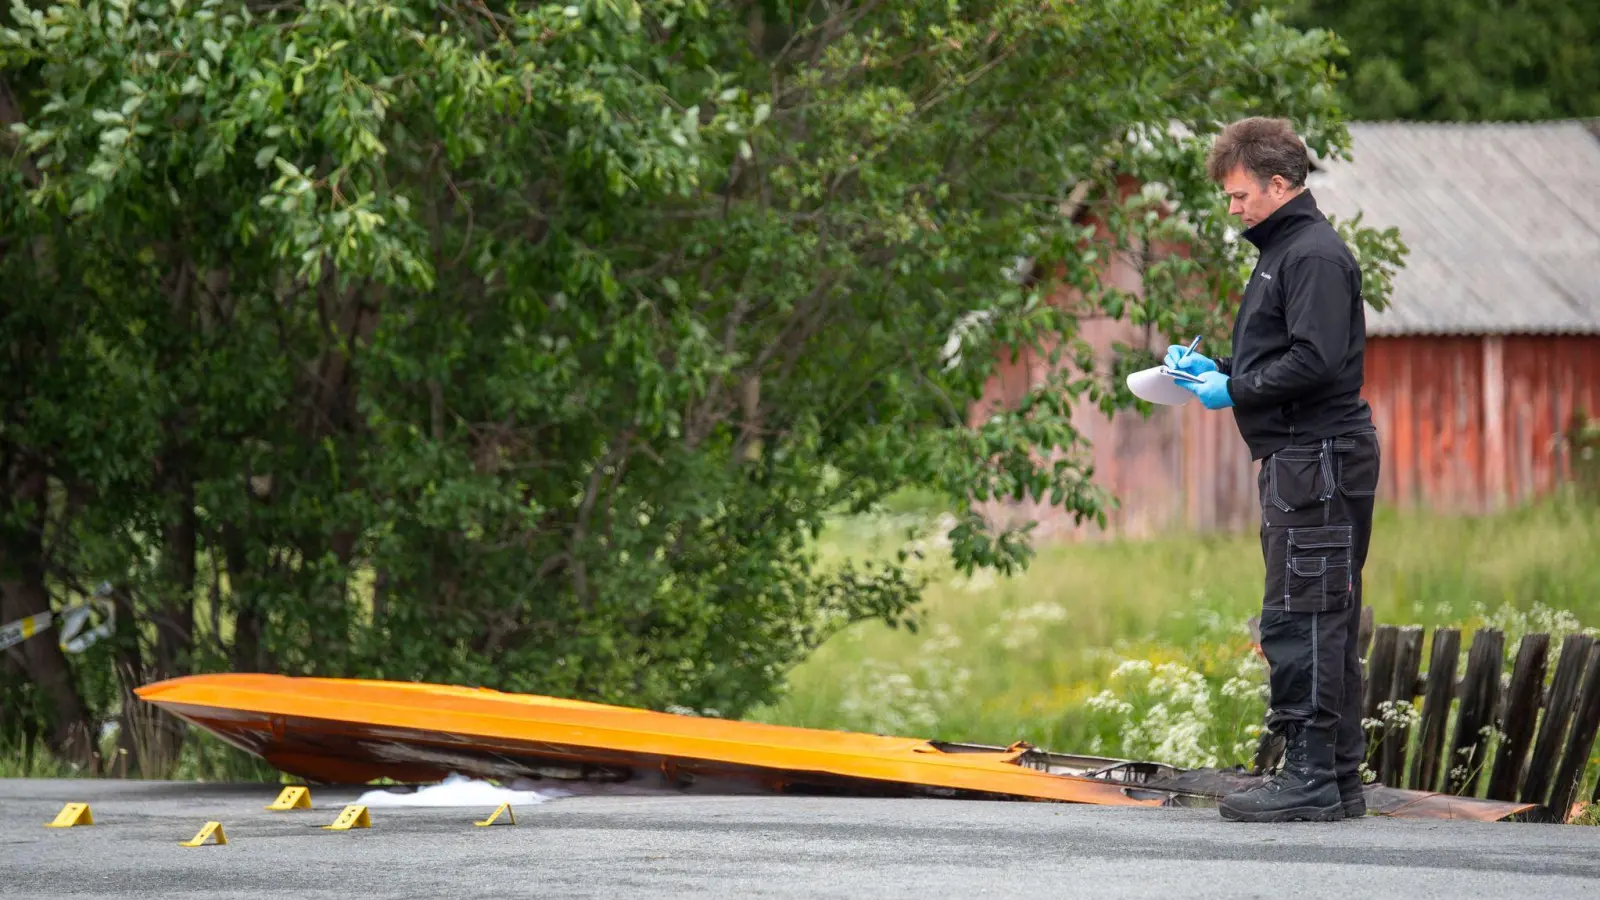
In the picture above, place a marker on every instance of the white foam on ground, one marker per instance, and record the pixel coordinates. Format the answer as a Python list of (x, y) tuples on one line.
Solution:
[(455, 790)]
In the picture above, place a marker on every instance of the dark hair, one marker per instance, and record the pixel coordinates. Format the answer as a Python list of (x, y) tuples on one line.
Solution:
[(1263, 147)]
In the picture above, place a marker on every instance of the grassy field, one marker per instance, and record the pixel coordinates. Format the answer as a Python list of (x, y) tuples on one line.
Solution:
[(1141, 648)]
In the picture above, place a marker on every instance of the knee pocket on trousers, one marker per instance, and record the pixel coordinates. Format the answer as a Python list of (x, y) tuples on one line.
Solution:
[(1313, 568)]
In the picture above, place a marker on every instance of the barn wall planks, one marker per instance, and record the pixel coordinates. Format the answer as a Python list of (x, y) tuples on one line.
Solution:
[(1468, 424), (1428, 401), (1471, 424)]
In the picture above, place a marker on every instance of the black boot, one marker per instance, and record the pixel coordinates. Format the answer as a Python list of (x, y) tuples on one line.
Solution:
[(1305, 789), (1352, 795)]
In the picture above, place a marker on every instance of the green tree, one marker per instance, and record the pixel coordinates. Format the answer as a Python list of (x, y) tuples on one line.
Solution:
[(527, 345), (1461, 60)]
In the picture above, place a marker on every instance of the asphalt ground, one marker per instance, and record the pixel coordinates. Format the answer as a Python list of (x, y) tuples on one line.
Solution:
[(750, 846)]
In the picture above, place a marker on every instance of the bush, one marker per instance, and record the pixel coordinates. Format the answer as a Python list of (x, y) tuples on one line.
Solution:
[(527, 345)]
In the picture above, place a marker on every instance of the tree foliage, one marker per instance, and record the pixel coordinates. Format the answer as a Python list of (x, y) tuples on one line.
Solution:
[(527, 345), (1461, 60)]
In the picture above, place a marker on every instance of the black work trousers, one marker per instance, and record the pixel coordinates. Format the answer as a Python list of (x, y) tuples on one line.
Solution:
[(1316, 523)]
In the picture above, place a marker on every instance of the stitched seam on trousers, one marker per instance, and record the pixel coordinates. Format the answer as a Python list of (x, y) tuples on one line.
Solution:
[(1272, 486), (1327, 469), (1316, 669), (1327, 511), (1288, 572)]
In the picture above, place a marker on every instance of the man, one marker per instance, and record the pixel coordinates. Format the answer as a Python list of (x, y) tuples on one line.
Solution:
[(1293, 381)]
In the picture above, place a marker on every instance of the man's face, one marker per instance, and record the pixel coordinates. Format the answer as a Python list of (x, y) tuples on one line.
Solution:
[(1253, 201)]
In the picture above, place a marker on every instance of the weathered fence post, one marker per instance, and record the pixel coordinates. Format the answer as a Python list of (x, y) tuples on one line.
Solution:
[(1479, 691), (1558, 710), (1380, 674), (1436, 701), (1402, 687), (1585, 724), (1523, 697)]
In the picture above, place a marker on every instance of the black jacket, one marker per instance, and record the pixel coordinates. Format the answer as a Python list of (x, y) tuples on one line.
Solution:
[(1295, 372)]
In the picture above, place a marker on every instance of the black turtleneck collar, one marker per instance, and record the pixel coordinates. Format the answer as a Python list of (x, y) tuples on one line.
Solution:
[(1289, 218)]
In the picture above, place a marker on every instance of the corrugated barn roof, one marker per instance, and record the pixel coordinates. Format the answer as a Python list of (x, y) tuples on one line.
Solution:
[(1502, 222)]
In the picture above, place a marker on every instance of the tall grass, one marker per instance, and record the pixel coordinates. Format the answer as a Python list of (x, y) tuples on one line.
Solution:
[(200, 757), (1112, 647), (33, 762)]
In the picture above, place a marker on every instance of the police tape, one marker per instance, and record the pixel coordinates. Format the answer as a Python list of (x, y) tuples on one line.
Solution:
[(73, 638)]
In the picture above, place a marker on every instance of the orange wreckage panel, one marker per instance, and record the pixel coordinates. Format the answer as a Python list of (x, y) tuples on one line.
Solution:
[(352, 731)]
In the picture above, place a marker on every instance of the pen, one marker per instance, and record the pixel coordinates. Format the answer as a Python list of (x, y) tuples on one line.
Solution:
[(1192, 345)]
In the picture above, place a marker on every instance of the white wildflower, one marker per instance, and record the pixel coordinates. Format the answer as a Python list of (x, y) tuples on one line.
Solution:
[(1240, 688), (1166, 714), (1106, 701), (882, 699), (1131, 667), (1399, 713)]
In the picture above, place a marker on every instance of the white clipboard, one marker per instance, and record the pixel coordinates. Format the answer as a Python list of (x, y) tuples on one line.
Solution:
[(1159, 385)]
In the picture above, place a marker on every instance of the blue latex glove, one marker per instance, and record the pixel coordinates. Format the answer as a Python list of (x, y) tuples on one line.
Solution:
[(1212, 390), (1194, 363)]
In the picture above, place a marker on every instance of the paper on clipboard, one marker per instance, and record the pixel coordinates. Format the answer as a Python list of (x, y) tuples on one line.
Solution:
[(1160, 385)]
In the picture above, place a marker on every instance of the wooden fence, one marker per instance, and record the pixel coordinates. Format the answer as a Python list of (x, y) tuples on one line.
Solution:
[(1491, 732)]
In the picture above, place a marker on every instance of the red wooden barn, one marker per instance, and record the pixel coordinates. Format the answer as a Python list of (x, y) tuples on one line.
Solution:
[(1474, 374)]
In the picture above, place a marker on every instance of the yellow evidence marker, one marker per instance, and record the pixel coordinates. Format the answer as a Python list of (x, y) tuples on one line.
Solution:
[(71, 816), (292, 798), (353, 816), (209, 830), (502, 808)]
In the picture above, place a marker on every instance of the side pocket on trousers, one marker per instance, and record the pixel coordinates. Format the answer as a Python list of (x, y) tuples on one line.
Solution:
[(1358, 468), (1297, 478), (1318, 576)]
